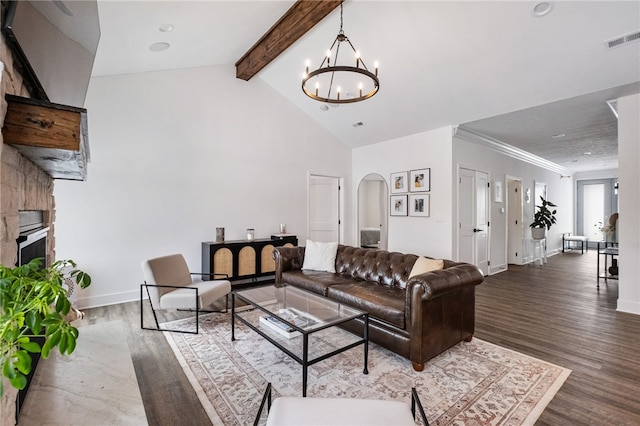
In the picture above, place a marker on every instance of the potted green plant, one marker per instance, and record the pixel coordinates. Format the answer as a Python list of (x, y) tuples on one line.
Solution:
[(542, 219), (33, 303)]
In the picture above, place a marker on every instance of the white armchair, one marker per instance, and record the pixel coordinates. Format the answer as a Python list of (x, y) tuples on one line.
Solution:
[(170, 285)]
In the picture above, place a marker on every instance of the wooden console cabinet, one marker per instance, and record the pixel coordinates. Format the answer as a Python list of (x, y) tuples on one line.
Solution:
[(243, 259)]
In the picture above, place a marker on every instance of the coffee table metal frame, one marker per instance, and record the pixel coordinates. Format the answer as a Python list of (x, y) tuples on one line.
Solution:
[(305, 332)]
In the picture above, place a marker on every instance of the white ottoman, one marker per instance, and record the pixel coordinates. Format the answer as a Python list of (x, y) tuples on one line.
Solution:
[(299, 411), (295, 411)]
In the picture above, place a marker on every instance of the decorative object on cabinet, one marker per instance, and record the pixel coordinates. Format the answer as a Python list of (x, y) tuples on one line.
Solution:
[(398, 205), (242, 259), (250, 234), (219, 235), (53, 136), (419, 205), (420, 180), (399, 182)]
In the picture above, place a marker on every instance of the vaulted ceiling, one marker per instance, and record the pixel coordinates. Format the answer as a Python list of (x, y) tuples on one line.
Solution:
[(492, 67)]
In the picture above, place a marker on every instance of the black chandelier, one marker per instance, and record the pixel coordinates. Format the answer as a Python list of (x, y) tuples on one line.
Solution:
[(340, 83)]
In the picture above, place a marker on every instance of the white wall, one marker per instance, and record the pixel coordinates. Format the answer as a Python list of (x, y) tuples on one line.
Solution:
[(629, 200), (176, 154), (429, 236), (559, 191)]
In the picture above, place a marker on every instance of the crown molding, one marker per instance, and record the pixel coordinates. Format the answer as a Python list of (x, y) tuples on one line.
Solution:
[(509, 150)]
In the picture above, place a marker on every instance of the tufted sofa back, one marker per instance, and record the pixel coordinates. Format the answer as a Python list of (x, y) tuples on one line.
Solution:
[(384, 267)]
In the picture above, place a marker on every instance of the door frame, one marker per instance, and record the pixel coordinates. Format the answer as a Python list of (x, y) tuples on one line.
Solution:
[(457, 223), (341, 222), (520, 218)]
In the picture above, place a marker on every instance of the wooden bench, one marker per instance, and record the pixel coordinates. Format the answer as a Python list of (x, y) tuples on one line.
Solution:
[(567, 239)]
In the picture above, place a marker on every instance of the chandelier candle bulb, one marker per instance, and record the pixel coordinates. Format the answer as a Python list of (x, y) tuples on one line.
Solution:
[(375, 65), (307, 68)]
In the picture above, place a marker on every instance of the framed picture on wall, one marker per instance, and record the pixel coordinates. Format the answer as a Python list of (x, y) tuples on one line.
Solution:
[(497, 191), (398, 205), (399, 182), (419, 205), (420, 180)]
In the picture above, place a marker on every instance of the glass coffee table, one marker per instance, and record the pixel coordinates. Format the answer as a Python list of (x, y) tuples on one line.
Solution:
[(299, 323)]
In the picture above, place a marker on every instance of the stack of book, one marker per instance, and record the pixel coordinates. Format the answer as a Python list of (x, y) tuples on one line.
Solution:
[(292, 316)]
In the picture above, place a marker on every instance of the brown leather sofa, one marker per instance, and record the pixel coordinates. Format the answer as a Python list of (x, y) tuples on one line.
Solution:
[(417, 318)]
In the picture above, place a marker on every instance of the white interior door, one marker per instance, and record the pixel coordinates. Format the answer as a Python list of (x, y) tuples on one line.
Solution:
[(515, 229), (324, 208), (473, 217)]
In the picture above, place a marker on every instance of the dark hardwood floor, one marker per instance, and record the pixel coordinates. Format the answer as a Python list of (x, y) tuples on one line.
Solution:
[(554, 312)]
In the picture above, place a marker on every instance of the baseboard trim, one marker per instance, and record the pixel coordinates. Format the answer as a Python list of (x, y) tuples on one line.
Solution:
[(108, 299)]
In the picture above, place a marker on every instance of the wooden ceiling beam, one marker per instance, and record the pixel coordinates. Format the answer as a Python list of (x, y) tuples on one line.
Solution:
[(299, 19)]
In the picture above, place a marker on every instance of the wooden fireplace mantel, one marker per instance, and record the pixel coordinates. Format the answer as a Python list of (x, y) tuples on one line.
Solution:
[(52, 136)]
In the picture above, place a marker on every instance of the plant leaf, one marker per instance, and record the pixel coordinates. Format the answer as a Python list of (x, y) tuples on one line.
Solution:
[(62, 345), (8, 369), (71, 344), (19, 381), (33, 347), (23, 363)]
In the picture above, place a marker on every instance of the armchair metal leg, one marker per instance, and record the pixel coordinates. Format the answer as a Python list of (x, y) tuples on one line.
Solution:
[(416, 401), (157, 328), (155, 317), (266, 398)]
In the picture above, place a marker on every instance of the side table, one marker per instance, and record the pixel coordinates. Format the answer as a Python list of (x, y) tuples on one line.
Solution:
[(606, 249), (539, 246)]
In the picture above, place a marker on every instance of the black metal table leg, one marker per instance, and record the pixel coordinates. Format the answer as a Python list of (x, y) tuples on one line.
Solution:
[(366, 344), (233, 317), (305, 359)]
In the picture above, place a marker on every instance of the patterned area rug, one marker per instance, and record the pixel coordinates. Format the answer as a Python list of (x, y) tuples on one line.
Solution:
[(475, 383)]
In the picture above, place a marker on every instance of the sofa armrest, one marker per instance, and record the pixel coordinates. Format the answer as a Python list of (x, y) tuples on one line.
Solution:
[(440, 310), (436, 283), (287, 259)]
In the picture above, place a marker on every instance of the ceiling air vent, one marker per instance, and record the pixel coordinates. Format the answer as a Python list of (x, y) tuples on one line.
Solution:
[(622, 40)]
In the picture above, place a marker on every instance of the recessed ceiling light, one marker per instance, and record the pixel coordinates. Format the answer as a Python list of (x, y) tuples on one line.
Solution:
[(166, 28), (587, 153), (323, 107), (558, 136), (159, 47), (542, 9)]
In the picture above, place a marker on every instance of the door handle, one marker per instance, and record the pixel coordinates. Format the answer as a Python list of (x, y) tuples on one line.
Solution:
[(477, 230)]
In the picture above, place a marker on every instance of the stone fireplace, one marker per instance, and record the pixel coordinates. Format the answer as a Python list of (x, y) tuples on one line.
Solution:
[(23, 186)]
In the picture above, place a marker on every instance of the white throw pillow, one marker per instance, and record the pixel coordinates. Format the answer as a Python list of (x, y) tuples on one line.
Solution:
[(320, 256), (423, 265)]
